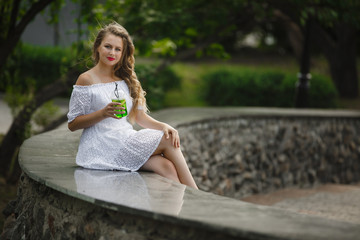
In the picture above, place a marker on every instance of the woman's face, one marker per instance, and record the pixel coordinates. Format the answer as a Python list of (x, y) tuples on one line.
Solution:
[(110, 49)]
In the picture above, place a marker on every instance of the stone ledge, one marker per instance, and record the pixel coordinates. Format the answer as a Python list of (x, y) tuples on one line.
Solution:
[(49, 160), (187, 115)]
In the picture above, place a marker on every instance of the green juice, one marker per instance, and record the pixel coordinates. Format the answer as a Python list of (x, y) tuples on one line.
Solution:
[(122, 104)]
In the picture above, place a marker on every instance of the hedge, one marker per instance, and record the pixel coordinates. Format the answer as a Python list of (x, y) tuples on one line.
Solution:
[(156, 84), (264, 87), (36, 66)]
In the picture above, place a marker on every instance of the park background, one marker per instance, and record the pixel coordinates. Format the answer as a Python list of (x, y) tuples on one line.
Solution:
[(188, 53)]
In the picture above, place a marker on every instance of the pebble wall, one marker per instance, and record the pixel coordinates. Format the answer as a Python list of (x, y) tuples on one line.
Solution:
[(240, 156)]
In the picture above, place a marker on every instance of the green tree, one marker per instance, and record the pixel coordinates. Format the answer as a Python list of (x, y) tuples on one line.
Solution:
[(15, 16), (175, 30), (334, 28)]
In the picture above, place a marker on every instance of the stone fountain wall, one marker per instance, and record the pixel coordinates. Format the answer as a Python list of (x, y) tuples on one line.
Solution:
[(40, 212), (240, 156), (233, 156)]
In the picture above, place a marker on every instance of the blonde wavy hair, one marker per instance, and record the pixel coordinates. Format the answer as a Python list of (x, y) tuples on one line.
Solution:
[(124, 69)]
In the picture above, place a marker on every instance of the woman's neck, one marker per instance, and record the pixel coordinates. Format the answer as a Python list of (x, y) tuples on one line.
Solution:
[(104, 71)]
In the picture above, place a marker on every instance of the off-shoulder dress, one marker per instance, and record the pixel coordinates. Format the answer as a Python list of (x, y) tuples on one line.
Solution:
[(111, 144)]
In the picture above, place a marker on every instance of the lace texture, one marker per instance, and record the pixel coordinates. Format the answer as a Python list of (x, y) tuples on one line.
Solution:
[(79, 103), (111, 144)]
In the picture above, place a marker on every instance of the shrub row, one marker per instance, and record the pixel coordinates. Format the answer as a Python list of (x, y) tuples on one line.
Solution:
[(32, 67), (269, 88), (156, 84)]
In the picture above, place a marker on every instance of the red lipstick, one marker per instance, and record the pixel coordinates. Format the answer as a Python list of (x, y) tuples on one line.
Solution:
[(111, 58)]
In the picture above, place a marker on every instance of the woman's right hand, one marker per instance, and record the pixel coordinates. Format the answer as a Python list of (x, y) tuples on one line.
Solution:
[(109, 110)]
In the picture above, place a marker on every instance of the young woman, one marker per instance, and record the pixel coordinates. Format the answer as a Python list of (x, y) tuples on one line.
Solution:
[(109, 142)]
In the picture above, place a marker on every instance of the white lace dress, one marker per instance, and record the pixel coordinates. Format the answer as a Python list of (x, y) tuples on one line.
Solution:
[(111, 144)]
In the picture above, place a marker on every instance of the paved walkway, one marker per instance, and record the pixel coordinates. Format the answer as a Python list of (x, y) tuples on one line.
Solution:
[(6, 117), (333, 201), (339, 202)]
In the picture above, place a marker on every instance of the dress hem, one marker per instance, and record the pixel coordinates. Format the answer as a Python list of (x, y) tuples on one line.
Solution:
[(125, 169), (148, 157)]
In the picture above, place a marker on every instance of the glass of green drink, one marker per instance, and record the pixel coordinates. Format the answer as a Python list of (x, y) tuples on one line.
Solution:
[(119, 97), (122, 104)]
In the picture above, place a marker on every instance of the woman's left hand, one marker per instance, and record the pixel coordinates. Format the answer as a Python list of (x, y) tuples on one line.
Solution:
[(175, 139)]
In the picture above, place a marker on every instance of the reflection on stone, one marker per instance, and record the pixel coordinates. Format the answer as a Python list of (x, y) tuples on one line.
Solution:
[(131, 189), (165, 196)]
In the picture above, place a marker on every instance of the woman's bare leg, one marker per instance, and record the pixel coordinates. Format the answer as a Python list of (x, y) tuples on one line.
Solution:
[(176, 157), (162, 166)]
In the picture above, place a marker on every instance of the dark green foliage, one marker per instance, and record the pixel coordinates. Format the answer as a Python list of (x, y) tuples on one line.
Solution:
[(156, 84), (33, 67), (267, 88), (322, 93)]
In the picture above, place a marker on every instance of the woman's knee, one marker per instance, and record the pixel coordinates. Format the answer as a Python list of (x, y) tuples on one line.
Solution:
[(168, 167), (161, 166), (165, 143)]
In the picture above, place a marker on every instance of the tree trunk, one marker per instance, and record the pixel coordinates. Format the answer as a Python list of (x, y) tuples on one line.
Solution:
[(293, 31), (344, 73), (341, 55), (302, 86), (16, 134), (343, 68), (15, 32), (56, 34), (54, 124)]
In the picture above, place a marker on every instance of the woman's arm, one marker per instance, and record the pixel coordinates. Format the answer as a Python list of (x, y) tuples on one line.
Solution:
[(85, 121), (90, 119), (145, 121)]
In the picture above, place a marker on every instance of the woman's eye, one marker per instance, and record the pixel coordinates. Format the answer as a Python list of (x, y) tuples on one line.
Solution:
[(118, 49), (107, 46)]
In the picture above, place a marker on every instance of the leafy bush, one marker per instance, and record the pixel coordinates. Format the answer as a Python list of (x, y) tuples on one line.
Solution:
[(262, 87), (323, 93), (32, 67), (156, 84), (47, 113)]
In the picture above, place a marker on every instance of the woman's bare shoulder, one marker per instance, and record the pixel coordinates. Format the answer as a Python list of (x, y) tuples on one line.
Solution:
[(85, 79)]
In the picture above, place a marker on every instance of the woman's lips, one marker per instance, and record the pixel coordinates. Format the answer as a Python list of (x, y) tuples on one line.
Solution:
[(111, 58)]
